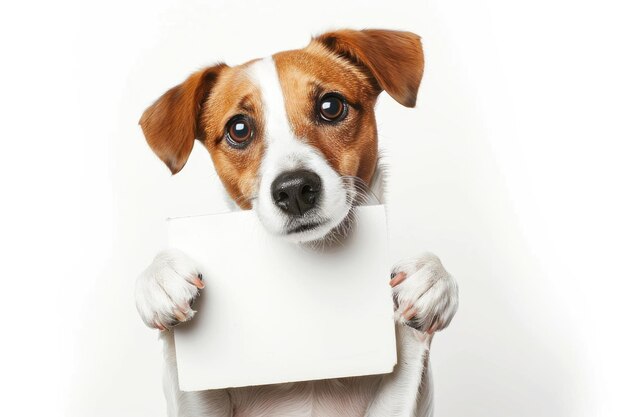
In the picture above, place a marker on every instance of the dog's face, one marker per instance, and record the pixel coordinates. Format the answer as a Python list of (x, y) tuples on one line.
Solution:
[(292, 136)]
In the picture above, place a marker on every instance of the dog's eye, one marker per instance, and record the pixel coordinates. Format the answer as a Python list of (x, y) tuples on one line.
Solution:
[(332, 107), (239, 131)]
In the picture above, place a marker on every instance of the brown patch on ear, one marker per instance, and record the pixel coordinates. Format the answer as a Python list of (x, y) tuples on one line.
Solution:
[(394, 58), (172, 123)]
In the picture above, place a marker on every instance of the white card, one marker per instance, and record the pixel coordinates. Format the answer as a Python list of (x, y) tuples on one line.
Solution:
[(274, 312)]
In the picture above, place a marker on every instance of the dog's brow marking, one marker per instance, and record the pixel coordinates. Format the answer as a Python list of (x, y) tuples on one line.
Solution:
[(265, 75), (245, 104)]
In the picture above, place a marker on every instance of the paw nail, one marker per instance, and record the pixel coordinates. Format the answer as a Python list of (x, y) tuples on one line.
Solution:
[(397, 279), (179, 315), (409, 313), (200, 277), (433, 328), (198, 282)]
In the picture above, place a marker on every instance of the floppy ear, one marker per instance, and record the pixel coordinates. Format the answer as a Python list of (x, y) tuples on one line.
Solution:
[(394, 58), (172, 123)]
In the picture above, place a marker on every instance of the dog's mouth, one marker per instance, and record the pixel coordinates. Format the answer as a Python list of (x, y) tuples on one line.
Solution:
[(305, 227)]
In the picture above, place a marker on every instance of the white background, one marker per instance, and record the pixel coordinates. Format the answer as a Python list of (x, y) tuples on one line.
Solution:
[(511, 169)]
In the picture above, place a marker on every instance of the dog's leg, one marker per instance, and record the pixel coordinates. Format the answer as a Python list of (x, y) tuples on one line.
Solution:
[(426, 299), (164, 294), (399, 392), (425, 406), (211, 403)]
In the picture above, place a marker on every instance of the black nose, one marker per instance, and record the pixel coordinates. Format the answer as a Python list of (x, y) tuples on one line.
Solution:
[(296, 192)]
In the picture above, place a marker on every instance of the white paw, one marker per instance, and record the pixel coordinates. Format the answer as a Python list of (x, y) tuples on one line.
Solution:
[(165, 291), (425, 294)]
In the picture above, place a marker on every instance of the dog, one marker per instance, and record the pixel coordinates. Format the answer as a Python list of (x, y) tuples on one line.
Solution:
[(293, 137)]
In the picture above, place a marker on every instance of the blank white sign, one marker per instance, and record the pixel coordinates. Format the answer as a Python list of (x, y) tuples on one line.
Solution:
[(274, 312)]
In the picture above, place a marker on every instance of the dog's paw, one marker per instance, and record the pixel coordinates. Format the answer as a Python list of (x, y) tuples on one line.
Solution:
[(425, 294), (165, 291)]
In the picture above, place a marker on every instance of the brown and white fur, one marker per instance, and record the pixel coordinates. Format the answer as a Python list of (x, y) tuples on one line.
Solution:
[(279, 99)]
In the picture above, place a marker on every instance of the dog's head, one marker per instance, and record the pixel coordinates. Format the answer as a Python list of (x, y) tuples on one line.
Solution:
[(292, 136)]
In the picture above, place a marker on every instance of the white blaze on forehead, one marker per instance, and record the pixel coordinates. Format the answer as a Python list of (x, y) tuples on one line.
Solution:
[(264, 74), (283, 151)]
